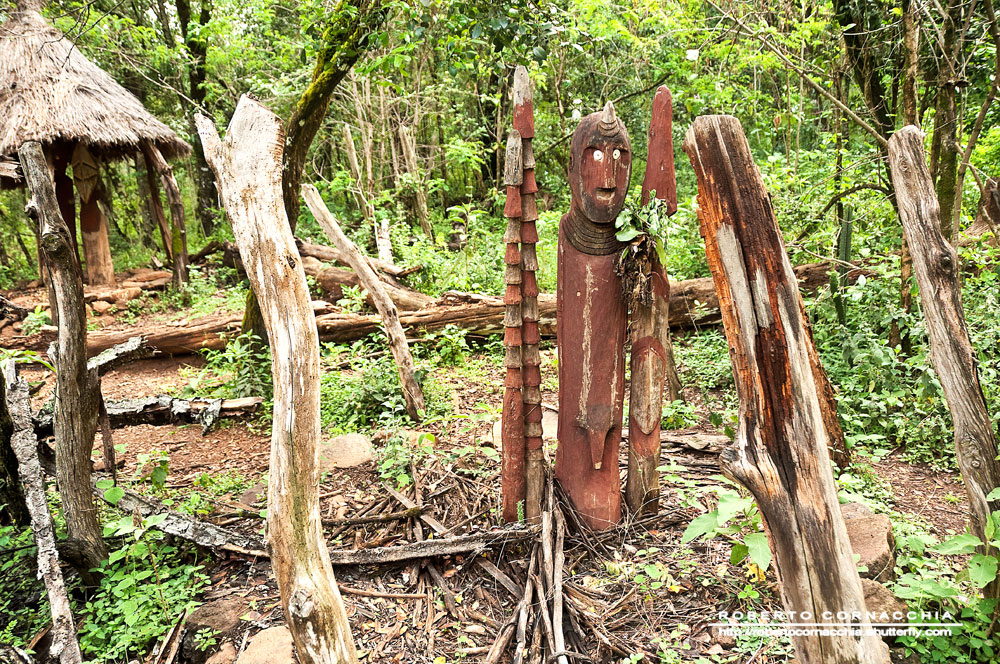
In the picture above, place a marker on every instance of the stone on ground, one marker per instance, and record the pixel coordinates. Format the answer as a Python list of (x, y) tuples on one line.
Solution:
[(271, 646), (345, 451), (872, 540), (221, 616)]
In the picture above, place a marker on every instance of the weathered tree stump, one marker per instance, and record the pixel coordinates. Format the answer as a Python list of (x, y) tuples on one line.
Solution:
[(77, 387), (936, 267), (247, 167), (781, 449)]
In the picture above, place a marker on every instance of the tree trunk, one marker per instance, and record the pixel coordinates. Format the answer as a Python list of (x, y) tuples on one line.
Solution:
[(156, 210), (178, 230), (937, 271), (345, 39), (412, 393), (946, 117), (63, 648), (331, 279), (197, 46), (408, 146), (249, 159), (77, 389), (781, 449)]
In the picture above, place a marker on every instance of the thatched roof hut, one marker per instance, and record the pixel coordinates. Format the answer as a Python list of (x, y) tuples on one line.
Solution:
[(50, 92)]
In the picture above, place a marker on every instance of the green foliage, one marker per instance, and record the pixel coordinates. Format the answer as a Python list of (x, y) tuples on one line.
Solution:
[(395, 456), (144, 586), (678, 415), (24, 606), (367, 394), (35, 320), (241, 369)]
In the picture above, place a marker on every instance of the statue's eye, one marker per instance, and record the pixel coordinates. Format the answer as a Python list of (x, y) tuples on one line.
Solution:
[(617, 153), (598, 155)]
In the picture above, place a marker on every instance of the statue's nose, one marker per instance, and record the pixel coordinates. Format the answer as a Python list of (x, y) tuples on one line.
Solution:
[(608, 172)]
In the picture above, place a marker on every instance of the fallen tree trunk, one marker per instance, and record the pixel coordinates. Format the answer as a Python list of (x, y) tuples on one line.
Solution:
[(693, 304), (11, 311), (162, 410), (935, 264), (781, 450), (202, 533), (250, 159), (333, 255), (333, 279), (64, 647)]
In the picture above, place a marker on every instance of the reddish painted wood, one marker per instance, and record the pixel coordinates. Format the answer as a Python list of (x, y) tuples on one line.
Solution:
[(591, 320), (651, 327), (660, 159)]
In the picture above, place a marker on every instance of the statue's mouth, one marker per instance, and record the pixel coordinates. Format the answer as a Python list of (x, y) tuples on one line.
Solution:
[(605, 195)]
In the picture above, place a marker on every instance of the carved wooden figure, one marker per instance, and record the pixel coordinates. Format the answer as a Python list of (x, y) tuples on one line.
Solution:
[(591, 320), (651, 327)]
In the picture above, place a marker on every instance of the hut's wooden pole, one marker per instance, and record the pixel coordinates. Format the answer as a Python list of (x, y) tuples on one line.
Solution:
[(156, 210), (781, 448), (96, 245), (649, 361), (936, 267), (178, 231), (250, 160), (77, 389)]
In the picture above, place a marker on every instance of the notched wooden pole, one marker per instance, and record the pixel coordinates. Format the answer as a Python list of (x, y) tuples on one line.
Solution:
[(781, 449), (935, 264), (247, 167)]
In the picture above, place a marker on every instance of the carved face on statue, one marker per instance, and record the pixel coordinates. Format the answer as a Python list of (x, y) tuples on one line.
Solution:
[(600, 165)]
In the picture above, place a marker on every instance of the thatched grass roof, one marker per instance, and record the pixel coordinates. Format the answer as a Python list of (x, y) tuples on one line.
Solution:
[(50, 92)]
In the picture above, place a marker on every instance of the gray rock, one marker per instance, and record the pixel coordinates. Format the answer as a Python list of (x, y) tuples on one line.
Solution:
[(872, 540), (271, 646), (346, 451)]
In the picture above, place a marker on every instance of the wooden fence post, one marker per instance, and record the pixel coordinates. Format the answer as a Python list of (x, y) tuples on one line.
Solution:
[(77, 388), (781, 449), (936, 267), (247, 167)]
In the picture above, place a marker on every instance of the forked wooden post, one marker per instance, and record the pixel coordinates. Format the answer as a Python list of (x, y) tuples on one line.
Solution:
[(935, 264), (651, 362), (412, 394), (247, 167), (77, 388), (781, 449)]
